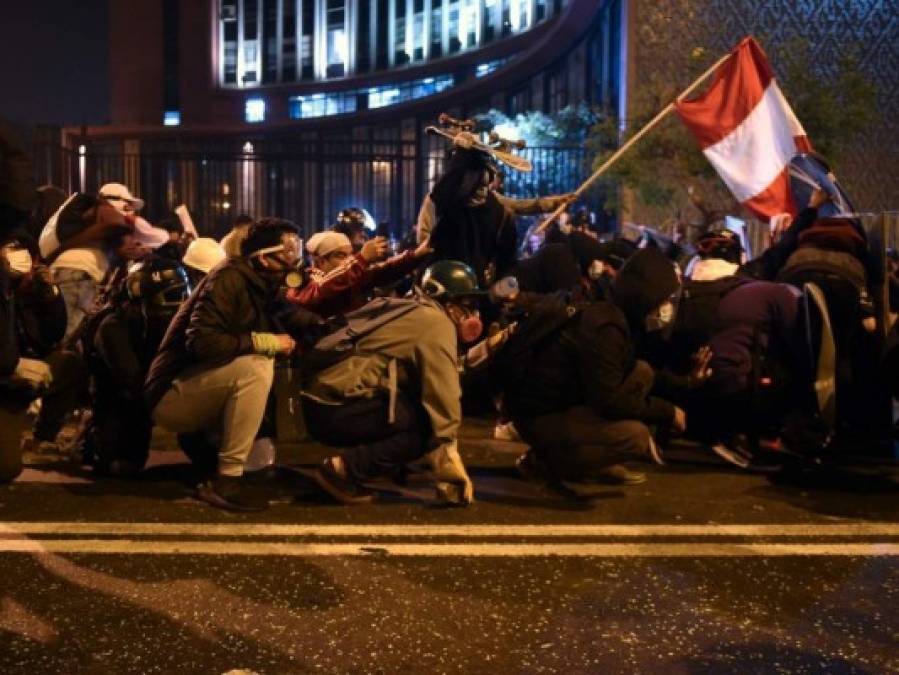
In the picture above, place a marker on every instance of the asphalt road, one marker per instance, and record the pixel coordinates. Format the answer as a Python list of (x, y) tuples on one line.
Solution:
[(700, 569)]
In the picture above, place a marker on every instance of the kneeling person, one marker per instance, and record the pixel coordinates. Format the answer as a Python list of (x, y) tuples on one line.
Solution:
[(396, 397), (119, 344), (582, 400)]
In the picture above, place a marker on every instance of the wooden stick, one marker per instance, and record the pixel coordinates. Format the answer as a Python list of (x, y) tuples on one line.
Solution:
[(632, 140)]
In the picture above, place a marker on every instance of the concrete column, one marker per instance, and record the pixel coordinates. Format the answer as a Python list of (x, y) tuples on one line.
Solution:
[(426, 33), (279, 40), (444, 26), (391, 33), (373, 34), (350, 27)]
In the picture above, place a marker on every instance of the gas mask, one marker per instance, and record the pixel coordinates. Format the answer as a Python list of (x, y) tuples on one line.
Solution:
[(289, 255), (661, 317), (20, 261), (468, 323), (470, 328)]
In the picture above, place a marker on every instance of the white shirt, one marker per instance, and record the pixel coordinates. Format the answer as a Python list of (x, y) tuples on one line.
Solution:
[(88, 259)]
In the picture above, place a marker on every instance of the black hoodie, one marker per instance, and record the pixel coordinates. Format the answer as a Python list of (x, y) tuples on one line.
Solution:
[(476, 235), (588, 361), (215, 325)]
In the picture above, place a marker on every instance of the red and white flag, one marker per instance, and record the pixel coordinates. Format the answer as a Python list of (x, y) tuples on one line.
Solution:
[(748, 131)]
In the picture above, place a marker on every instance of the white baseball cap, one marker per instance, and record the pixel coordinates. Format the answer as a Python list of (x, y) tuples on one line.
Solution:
[(321, 244), (119, 191), (203, 254)]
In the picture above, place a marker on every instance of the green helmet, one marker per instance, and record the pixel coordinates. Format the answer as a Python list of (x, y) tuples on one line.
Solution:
[(448, 279)]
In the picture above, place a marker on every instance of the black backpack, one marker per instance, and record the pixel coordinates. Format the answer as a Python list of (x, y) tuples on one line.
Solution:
[(511, 364)]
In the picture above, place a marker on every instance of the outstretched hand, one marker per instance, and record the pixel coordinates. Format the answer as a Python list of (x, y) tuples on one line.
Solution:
[(424, 248), (374, 249), (819, 197)]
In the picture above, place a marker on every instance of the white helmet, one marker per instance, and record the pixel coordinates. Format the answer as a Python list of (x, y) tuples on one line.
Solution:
[(203, 254)]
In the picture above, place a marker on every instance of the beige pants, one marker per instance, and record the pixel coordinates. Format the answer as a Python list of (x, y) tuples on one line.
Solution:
[(229, 400)]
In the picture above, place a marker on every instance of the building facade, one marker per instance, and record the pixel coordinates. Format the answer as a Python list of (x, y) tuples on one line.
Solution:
[(304, 107)]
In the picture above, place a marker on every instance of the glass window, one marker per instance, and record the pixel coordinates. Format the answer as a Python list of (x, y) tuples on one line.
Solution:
[(171, 118), (254, 110)]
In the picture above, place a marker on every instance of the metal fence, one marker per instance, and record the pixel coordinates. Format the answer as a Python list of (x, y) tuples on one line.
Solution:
[(307, 182)]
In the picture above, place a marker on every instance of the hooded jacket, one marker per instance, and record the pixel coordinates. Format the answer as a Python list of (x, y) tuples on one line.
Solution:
[(415, 353), (479, 236), (589, 360), (215, 325)]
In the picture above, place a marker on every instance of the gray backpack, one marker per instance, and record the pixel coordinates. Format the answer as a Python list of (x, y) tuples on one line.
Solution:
[(341, 343)]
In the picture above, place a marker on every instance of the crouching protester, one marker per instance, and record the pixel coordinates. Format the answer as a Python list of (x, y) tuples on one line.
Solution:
[(393, 394), (32, 322), (574, 387), (119, 344), (211, 378)]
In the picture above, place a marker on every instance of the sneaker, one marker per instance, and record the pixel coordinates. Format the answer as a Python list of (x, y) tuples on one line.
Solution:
[(655, 452), (229, 493), (618, 474), (505, 432), (342, 488), (532, 469), (35, 451), (734, 455)]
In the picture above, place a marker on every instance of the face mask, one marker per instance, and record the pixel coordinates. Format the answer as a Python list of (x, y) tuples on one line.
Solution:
[(470, 328), (661, 318), (19, 261)]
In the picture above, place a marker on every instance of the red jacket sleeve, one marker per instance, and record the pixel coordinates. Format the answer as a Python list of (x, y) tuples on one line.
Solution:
[(391, 270), (324, 287)]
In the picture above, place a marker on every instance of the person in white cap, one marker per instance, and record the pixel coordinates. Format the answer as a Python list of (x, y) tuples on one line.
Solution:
[(201, 256), (76, 241), (121, 198), (339, 280)]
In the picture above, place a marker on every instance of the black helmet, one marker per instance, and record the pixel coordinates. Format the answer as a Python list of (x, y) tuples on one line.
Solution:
[(722, 244), (449, 279), (159, 281), (354, 219)]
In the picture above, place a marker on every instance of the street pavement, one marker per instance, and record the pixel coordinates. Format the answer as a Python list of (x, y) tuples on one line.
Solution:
[(702, 569)]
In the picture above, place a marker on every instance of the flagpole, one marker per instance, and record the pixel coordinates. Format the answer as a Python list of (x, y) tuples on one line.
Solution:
[(632, 140)]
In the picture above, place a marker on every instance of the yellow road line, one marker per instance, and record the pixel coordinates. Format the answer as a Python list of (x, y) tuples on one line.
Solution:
[(848, 529), (465, 549)]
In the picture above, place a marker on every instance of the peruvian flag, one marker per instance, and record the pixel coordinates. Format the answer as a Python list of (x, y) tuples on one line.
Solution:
[(748, 131)]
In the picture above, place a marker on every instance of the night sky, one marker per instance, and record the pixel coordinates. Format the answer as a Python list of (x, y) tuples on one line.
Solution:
[(54, 62)]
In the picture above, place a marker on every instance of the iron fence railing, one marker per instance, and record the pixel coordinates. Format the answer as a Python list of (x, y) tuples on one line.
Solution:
[(308, 182)]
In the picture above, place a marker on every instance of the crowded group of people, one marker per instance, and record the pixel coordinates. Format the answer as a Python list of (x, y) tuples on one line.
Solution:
[(595, 353)]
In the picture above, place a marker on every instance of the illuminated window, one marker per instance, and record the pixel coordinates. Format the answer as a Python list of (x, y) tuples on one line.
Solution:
[(255, 110), (487, 68), (267, 42), (320, 105), (171, 118)]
